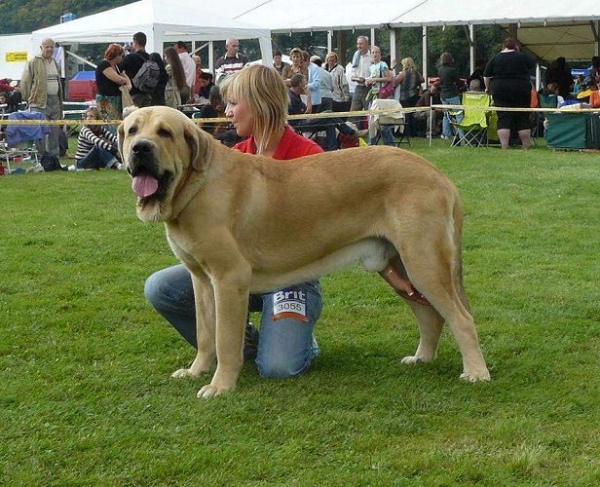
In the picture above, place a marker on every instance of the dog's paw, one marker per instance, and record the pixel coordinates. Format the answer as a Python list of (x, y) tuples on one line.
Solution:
[(415, 359), (183, 373), (209, 391), (481, 376), (411, 359)]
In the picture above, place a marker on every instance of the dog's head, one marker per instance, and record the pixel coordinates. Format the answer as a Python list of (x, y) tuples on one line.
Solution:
[(161, 148)]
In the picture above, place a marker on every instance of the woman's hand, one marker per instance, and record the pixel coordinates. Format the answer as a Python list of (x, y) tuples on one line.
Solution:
[(369, 81)]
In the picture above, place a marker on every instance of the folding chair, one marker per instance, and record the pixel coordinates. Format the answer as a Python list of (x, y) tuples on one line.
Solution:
[(20, 140), (393, 119), (471, 131)]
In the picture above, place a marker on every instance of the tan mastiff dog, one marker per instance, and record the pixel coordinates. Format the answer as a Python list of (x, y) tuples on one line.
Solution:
[(248, 224)]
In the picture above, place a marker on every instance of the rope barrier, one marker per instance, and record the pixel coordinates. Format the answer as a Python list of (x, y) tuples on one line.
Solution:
[(325, 115)]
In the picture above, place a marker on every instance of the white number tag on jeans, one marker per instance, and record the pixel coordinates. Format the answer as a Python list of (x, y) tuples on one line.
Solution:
[(290, 303)]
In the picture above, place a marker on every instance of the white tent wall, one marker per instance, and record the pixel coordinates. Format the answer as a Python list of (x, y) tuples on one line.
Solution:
[(14, 53), (548, 29), (163, 23)]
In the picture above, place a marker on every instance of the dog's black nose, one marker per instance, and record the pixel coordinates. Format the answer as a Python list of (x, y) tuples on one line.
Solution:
[(142, 148)]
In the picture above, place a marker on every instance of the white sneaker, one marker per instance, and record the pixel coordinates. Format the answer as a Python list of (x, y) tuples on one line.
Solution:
[(72, 168)]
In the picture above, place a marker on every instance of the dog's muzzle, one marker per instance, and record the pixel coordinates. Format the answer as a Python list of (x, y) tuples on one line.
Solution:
[(144, 169)]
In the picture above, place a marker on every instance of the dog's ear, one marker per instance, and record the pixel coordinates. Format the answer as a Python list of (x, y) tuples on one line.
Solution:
[(200, 146)]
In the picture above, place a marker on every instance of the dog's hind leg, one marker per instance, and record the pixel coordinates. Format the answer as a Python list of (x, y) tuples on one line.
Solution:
[(433, 264), (429, 320), (431, 324)]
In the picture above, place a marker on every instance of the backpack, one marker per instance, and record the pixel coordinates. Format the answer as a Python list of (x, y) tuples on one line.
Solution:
[(147, 76), (50, 162)]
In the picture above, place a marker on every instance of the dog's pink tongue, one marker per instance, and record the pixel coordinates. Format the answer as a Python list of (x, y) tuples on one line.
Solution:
[(144, 185)]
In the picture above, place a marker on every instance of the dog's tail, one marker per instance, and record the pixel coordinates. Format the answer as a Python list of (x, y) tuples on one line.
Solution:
[(457, 216)]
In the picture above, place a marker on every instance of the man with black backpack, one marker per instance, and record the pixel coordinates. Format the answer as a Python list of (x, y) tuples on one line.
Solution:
[(139, 68)]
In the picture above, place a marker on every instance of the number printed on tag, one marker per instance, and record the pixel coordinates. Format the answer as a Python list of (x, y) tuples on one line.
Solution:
[(290, 303)]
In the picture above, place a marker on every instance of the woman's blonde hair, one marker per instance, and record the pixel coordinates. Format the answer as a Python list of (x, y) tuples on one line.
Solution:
[(408, 64), (265, 93)]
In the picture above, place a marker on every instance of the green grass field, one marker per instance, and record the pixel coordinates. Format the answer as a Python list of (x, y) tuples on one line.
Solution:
[(86, 396)]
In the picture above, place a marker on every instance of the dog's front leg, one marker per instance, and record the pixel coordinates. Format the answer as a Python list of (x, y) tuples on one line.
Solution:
[(204, 298), (231, 300)]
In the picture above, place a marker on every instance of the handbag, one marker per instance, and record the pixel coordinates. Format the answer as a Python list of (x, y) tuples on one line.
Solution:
[(387, 90), (126, 99)]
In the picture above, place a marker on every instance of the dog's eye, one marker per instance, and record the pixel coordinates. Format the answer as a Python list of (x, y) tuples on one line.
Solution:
[(132, 130), (164, 133)]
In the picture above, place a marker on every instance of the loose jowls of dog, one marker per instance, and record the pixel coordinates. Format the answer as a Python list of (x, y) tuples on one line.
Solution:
[(248, 224)]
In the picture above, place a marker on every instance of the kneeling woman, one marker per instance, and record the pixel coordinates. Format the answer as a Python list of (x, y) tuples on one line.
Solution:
[(97, 148)]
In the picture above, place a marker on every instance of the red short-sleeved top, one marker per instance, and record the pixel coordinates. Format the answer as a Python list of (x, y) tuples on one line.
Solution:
[(291, 146)]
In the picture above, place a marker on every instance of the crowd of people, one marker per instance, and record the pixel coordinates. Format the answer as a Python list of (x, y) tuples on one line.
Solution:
[(314, 86)]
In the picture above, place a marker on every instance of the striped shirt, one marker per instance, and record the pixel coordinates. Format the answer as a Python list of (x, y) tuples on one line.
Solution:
[(88, 139)]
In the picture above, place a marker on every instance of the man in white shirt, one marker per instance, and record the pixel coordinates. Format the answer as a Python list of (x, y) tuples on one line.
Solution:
[(361, 64), (232, 61), (189, 68)]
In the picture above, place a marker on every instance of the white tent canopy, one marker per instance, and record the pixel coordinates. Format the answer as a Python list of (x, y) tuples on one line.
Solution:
[(549, 29), (162, 21)]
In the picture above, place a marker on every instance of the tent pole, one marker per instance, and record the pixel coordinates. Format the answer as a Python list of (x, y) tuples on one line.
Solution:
[(425, 59), (472, 46), (211, 56), (393, 57)]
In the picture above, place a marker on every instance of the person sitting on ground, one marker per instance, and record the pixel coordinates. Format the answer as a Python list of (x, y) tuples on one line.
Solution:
[(97, 148)]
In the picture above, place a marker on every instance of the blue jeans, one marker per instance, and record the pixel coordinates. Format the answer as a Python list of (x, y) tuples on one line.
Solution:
[(97, 158), (446, 125), (387, 134), (285, 344)]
